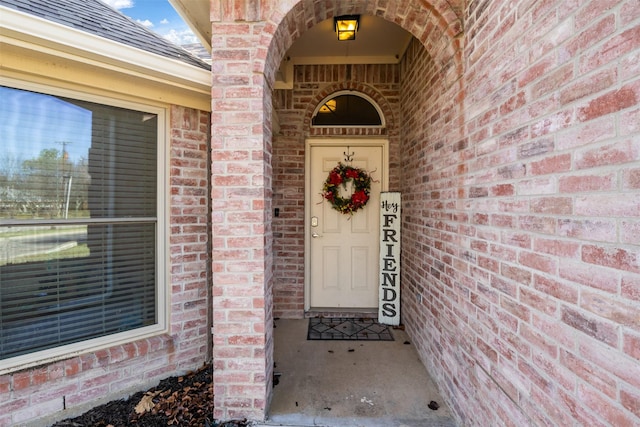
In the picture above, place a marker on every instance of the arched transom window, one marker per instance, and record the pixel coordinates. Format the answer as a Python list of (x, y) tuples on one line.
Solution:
[(347, 108)]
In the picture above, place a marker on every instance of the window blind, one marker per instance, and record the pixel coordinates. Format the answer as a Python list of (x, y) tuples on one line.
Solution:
[(78, 221)]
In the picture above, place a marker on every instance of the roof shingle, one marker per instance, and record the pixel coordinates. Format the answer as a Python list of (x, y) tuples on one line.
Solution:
[(96, 17)]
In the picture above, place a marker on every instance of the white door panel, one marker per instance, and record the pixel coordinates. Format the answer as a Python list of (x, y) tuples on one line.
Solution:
[(342, 260)]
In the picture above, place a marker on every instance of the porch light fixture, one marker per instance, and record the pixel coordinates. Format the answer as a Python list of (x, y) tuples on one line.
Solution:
[(346, 26)]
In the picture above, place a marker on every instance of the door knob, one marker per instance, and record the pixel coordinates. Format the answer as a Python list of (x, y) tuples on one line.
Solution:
[(314, 235)]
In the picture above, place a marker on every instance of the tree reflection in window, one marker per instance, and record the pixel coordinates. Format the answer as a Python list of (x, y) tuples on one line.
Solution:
[(347, 110)]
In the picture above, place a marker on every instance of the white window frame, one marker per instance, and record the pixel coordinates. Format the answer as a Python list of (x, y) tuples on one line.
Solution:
[(353, 93), (162, 251)]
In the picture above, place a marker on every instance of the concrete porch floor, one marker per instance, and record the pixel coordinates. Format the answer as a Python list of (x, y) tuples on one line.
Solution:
[(351, 383)]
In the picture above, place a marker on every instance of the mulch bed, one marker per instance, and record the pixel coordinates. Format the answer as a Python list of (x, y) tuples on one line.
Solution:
[(185, 400)]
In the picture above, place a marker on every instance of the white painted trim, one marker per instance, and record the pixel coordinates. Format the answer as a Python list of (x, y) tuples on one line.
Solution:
[(196, 13), (163, 254), (329, 142), (26, 30)]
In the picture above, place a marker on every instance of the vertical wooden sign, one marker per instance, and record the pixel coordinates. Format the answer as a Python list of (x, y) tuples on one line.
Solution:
[(389, 295)]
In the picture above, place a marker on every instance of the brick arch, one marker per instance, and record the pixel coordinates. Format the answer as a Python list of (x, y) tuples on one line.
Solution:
[(372, 93), (437, 24)]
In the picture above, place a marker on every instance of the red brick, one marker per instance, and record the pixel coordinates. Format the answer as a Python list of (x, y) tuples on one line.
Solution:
[(543, 185), (500, 190), (609, 103), (515, 102), (557, 289), (590, 275), (486, 350), (552, 205), (537, 224), (39, 376), (539, 341), (590, 325), (621, 152), (551, 327), (538, 262), (610, 51), (617, 258), (509, 380), (552, 164), (536, 71), (611, 205), (630, 399), (590, 373), (587, 86), (604, 230), (609, 308), (590, 36), (587, 133), (516, 309), (579, 411), (631, 345), (604, 407), (631, 179), (517, 274), (630, 232), (502, 220), (554, 369), (538, 147), (534, 375), (488, 264), (553, 80), (21, 380), (504, 286), (538, 301), (5, 385), (581, 183), (630, 287), (630, 122), (561, 248)]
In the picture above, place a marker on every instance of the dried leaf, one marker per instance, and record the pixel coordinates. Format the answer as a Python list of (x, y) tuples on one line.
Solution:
[(146, 403)]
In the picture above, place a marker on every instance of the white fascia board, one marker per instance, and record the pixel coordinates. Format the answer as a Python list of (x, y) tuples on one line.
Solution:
[(196, 14), (37, 31)]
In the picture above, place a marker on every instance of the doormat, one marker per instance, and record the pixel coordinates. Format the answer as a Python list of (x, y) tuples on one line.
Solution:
[(347, 329)]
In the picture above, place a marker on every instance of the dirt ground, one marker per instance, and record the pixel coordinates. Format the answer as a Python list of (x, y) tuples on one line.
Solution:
[(185, 400)]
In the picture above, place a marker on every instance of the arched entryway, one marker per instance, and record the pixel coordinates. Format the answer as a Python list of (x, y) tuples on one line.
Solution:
[(246, 236)]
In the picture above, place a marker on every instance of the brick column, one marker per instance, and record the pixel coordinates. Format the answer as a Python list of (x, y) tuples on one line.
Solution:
[(241, 206)]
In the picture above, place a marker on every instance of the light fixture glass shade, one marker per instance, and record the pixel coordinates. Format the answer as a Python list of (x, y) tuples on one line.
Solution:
[(346, 26)]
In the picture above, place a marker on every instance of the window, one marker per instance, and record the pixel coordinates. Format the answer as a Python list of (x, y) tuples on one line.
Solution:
[(347, 108), (79, 223)]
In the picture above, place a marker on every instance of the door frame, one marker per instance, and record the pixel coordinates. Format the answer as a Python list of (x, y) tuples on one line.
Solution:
[(309, 198)]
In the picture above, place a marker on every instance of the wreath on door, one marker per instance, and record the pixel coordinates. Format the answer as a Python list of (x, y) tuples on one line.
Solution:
[(340, 176)]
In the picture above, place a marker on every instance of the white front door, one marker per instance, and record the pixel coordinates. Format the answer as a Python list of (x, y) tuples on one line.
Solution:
[(342, 249)]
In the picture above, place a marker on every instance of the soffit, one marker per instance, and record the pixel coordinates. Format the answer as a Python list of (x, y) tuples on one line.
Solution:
[(378, 41), (196, 14)]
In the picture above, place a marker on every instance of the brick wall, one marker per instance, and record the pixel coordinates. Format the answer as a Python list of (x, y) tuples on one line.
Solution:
[(312, 83), (81, 382), (520, 182), (522, 236), (249, 41), (242, 252)]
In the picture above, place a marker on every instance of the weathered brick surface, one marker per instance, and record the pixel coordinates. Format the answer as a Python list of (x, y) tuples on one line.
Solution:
[(549, 114), (242, 202), (105, 374)]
